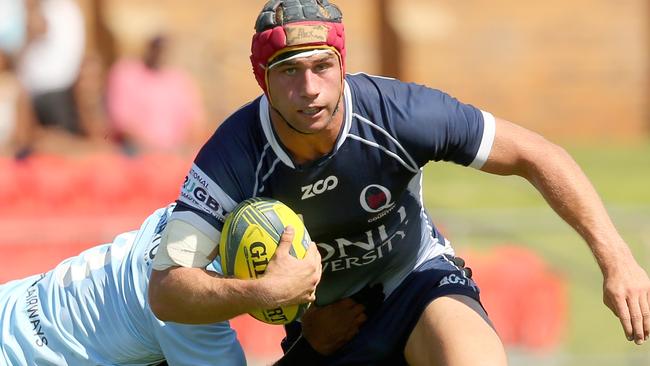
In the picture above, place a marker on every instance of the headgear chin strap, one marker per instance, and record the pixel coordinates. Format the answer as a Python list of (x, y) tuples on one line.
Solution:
[(291, 25)]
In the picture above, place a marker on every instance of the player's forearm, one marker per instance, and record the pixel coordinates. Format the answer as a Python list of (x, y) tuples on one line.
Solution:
[(191, 296), (570, 193), (518, 151)]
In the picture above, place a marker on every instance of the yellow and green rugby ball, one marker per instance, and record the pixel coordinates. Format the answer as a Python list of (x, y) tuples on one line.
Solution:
[(249, 239)]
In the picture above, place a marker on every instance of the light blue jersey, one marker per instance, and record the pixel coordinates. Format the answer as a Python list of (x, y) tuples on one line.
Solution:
[(92, 309)]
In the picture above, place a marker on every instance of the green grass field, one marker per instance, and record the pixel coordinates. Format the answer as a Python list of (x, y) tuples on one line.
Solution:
[(479, 210)]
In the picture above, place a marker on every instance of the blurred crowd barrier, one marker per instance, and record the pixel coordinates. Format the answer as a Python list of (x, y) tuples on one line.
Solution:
[(52, 207), (526, 300), (95, 184)]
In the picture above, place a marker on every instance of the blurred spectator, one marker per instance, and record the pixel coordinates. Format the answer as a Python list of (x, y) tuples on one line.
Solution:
[(49, 64), (16, 118), (13, 29), (153, 107), (89, 95)]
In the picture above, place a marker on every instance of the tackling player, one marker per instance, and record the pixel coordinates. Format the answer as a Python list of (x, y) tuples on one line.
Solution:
[(92, 309), (347, 151)]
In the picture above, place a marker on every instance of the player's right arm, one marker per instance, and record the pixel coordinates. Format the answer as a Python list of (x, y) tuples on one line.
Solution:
[(184, 294), (223, 174)]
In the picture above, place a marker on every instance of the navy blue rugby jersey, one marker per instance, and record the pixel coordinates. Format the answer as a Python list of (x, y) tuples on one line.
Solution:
[(362, 203)]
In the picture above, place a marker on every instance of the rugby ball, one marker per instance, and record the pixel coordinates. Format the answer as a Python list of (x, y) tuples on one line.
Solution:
[(249, 238)]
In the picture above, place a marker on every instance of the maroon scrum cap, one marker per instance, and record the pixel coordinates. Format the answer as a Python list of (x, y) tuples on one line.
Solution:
[(287, 28)]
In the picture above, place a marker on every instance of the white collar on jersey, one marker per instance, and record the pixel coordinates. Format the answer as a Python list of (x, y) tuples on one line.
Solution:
[(267, 127)]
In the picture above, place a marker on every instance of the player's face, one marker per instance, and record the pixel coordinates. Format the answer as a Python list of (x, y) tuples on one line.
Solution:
[(306, 91)]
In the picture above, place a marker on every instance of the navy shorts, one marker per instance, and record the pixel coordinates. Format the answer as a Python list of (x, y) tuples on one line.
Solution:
[(382, 338)]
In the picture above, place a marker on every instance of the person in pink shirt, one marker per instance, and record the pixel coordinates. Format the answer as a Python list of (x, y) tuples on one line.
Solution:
[(152, 107)]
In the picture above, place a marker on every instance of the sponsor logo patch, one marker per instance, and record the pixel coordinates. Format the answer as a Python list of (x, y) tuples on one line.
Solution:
[(362, 250), (321, 186), (375, 198), (33, 312), (454, 279), (197, 193)]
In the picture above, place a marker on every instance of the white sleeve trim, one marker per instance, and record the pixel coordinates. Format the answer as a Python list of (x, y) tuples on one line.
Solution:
[(489, 131), (196, 221)]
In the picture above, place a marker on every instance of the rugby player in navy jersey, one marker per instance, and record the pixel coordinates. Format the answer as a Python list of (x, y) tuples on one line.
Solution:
[(346, 152)]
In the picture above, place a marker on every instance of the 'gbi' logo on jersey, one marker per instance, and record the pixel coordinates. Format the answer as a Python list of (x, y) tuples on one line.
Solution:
[(199, 191), (319, 187)]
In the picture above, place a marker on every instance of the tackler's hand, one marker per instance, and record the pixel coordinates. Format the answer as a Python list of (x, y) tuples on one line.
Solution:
[(460, 263), (330, 327)]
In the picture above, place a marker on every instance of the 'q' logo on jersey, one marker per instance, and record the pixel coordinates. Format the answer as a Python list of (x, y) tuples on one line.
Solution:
[(375, 198)]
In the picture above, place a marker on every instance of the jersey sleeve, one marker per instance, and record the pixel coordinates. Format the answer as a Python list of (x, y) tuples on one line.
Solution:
[(221, 176), (434, 126), (190, 344)]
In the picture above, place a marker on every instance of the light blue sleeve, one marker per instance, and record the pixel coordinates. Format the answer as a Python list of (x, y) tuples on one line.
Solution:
[(211, 344)]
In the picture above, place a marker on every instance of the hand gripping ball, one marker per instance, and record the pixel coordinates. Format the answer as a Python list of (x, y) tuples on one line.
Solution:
[(249, 239)]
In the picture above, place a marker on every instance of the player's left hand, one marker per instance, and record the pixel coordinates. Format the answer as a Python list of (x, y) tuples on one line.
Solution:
[(290, 280), (330, 327), (626, 291)]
